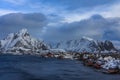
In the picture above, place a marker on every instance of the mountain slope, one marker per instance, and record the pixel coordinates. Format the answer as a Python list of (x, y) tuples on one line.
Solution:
[(21, 42), (85, 44)]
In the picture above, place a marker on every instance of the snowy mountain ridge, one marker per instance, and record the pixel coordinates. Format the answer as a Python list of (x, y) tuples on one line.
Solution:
[(85, 44), (22, 42)]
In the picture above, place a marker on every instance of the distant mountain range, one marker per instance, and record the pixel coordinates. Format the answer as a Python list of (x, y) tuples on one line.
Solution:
[(85, 44), (22, 42)]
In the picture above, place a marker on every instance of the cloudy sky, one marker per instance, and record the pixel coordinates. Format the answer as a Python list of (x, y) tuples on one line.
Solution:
[(54, 20)]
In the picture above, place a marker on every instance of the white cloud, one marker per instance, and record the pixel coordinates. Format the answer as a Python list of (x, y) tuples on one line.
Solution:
[(111, 10), (70, 16), (46, 8), (3, 11), (16, 2), (76, 17)]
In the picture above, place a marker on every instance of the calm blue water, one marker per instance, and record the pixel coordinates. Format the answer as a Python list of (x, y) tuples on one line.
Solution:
[(36, 68)]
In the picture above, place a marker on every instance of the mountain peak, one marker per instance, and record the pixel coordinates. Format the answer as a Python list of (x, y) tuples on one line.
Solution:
[(22, 42), (23, 32)]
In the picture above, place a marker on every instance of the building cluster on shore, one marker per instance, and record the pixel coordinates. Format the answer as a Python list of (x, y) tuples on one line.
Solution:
[(106, 63)]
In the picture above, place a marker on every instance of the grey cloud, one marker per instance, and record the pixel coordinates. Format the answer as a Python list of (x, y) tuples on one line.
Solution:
[(95, 27), (34, 22)]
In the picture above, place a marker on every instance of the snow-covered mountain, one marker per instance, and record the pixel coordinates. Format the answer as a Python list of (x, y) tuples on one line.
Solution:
[(21, 42), (85, 44)]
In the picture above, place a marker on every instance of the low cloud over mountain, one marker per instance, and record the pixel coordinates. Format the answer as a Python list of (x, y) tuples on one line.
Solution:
[(96, 27), (15, 21)]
